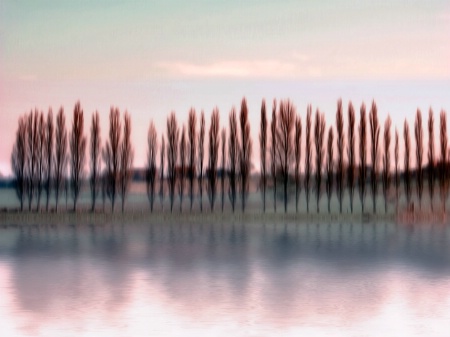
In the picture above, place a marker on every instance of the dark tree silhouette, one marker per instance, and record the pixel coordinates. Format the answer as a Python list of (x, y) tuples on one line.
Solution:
[(213, 157), (77, 153), (60, 153), (308, 156), (49, 155), (407, 166), (126, 159), (340, 145), (319, 132), (362, 155), (298, 157), (162, 158), (286, 121), (330, 166), (32, 144), (150, 169), (397, 173), (192, 155), (201, 156), (224, 165), (173, 134), (386, 160), (19, 159), (263, 151), (443, 181), (418, 133), (375, 138), (245, 153), (95, 158), (111, 156), (273, 152), (182, 166), (351, 154), (40, 158), (233, 149), (431, 157)]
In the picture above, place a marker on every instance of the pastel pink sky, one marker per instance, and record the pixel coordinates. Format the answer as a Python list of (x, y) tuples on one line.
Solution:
[(151, 58)]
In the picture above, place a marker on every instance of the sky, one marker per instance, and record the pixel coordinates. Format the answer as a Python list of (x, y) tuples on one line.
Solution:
[(153, 57)]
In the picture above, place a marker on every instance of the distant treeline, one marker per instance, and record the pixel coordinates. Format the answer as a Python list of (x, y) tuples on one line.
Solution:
[(47, 159)]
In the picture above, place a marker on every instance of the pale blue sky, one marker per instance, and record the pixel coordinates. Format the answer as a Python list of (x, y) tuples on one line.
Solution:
[(151, 57)]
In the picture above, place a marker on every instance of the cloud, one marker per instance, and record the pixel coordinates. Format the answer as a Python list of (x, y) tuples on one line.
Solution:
[(239, 69)]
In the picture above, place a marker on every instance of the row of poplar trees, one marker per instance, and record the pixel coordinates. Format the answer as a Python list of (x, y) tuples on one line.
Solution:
[(334, 161), (46, 158)]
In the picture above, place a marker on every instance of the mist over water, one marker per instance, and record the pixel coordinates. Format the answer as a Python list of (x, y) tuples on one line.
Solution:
[(225, 279)]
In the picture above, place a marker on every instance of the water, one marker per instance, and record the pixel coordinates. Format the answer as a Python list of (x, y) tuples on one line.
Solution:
[(225, 280)]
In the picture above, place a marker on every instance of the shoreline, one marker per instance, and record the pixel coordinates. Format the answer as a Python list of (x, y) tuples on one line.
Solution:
[(15, 218)]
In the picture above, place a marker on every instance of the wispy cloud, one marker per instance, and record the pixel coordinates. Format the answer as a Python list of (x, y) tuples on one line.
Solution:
[(245, 69)]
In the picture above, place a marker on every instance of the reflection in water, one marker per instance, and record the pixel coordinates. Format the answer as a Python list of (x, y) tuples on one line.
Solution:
[(218, 279)]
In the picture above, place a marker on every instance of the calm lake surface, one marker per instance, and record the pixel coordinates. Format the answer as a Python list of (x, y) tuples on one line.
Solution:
[(225, 280)]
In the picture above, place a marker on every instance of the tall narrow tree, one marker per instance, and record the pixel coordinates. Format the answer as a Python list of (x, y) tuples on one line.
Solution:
[(286, 118), (111, 156), (431, 157), (162, 157), (340, 146), (407, 165), (192, 155), (397, 170), (233, 149), (418, 133), (201, 155), (213, 157), (182, 166), (362, 155), (273, 153), (19, 160), (95, 158), (298, 158), (77, 153), (386, 160), (126, 160), (308, 156), (60, 154), (330, 166), (319, 132), (41, 160), (49, 155), (32, 144), (173, 135), (224, 165), (443, 181), (263, 151), (150, 169), (375, 138), (351, 154), (245, 153)]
